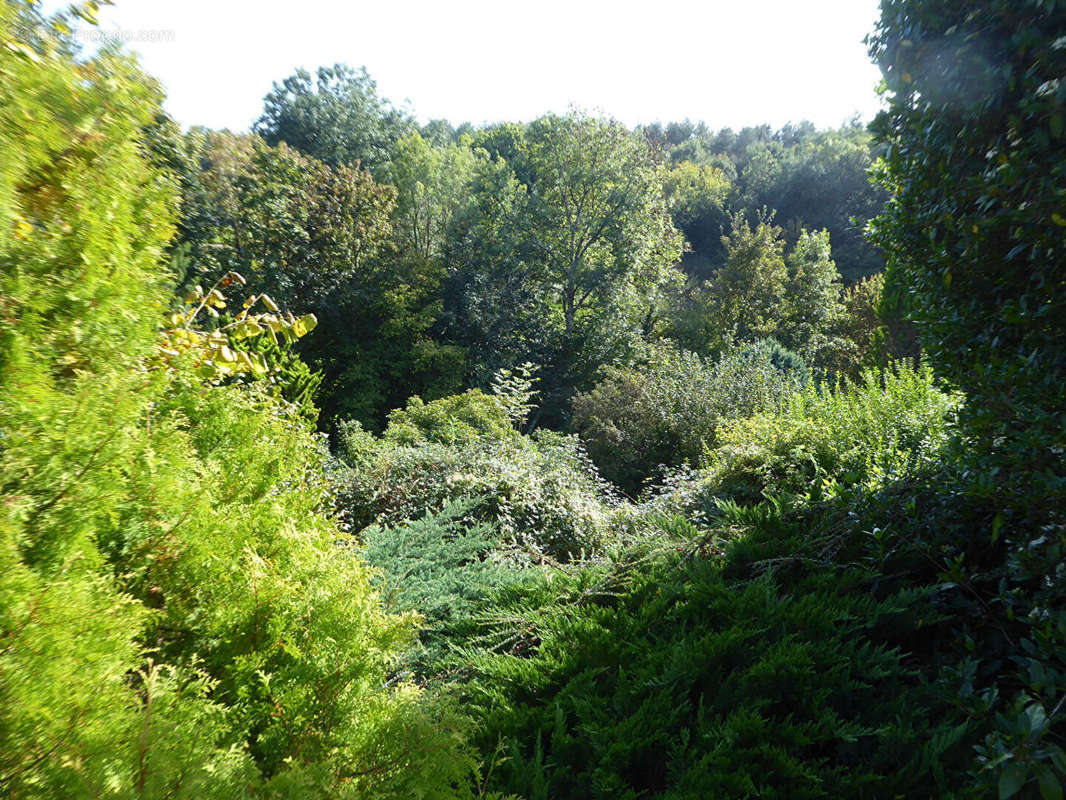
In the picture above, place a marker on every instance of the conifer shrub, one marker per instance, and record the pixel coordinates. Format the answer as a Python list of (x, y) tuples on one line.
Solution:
[(739, 661), (787, 640), (176, 619), (788, 363), (445, 569)]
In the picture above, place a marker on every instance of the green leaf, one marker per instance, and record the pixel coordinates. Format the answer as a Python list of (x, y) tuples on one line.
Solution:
[(245, 330), (1037, 717), (1050, 788), (1011, 780), (997, 526), (303, 325)]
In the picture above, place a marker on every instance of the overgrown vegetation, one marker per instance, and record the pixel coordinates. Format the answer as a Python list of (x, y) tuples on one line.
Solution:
[(635, 477), (668, 410)]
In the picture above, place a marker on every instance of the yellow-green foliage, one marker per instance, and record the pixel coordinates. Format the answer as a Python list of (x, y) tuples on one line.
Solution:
[(175, 618), (455, 420), (825, 439)]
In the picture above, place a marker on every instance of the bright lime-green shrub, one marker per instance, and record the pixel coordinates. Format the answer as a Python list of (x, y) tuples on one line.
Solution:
[(858, 434), (176, 619), (455, 420)]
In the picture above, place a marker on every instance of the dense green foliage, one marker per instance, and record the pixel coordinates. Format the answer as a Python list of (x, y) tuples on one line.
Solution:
[(475, 250), (293, 226), (176, 620), (813, 179), (666, 411), (766, 290), (445, 568), (746, 656), (819, 443), (975, 161), (976, 226), (320, 239), (565, 252), (630, 493), (542, 491), (457, 420), (335, 116)]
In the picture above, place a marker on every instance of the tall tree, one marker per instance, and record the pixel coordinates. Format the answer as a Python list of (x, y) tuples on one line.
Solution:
[(431, 191), (767, 290), (812, 179), (364, 257), (380, 347), (335, 116), (587, 241), (596, 204), (698, 196), (745, 298), (293, 226), (814, 307)]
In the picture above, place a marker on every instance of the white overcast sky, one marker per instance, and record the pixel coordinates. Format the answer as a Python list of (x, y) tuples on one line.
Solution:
[(728, 62)]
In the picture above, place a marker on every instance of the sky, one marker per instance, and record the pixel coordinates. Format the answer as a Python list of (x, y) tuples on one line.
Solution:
[(727, 62)]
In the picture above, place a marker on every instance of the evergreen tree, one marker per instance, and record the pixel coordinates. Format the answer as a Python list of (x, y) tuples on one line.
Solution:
[(176, 619)]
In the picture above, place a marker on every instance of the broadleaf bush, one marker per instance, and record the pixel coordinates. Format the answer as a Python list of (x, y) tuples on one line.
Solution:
[(668, 410)]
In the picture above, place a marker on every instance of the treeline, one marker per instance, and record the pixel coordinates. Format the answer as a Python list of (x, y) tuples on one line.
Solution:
[(818, 180), (433, 257)]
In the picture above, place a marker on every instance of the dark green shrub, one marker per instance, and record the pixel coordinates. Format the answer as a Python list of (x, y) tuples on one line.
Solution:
[(667, 411), (728, 666), (783, 360), (787, 649), (974, 131)]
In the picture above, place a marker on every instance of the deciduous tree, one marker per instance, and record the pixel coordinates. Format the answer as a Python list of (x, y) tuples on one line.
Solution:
[(335, 116), (583, 249)]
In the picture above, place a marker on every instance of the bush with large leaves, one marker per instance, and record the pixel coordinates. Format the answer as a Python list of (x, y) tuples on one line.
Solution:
[(975, 231), (975, 128)]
